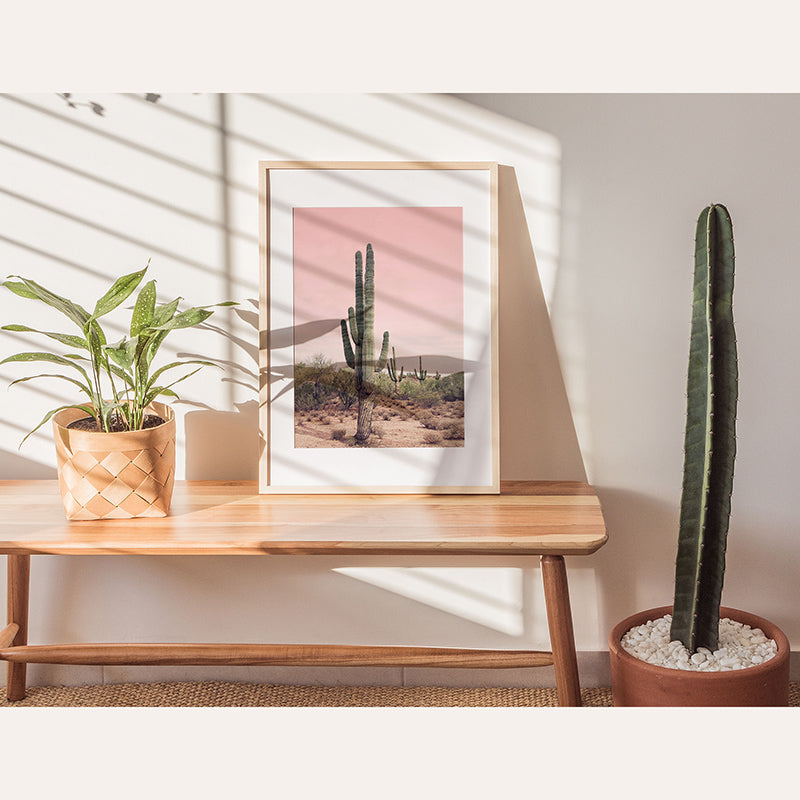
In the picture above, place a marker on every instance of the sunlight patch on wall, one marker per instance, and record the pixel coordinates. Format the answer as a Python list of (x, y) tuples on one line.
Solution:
[(491, 597), (86, 196)]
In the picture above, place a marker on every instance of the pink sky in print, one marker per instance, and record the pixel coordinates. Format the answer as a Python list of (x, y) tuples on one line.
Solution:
[(419, 296)]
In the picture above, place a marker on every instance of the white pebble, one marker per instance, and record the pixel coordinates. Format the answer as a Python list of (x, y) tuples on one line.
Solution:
[(740, 646)]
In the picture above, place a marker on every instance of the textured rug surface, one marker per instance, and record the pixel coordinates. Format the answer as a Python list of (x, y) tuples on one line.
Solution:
[(221, 694)]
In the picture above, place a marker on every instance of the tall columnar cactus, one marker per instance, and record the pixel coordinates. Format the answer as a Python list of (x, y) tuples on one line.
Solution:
[(391, 368), (710, 446), (422, 374), (360, 355)]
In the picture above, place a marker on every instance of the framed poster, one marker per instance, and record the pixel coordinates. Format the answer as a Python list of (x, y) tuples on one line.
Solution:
[(378, 327)]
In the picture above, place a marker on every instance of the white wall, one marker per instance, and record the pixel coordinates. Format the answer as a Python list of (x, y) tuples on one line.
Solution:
[(636, 172), (85, 197), (607, 189)]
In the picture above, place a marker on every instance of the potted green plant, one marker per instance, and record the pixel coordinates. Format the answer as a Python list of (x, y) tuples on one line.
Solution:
[(116, 449), (696, 653)]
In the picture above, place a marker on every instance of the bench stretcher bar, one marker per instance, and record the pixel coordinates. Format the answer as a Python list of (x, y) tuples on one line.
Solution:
[(158, 654)]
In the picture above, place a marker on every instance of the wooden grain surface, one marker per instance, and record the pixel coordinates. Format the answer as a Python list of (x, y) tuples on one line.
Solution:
[(559, 622), (18, 592), (231, 518), (7, 634), (275, 654)]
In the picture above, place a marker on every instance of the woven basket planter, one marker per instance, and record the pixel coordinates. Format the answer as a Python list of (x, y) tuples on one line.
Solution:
[(115, 475)]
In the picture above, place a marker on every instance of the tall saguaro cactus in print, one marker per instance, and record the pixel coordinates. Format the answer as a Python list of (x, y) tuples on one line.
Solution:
[(360, 355)]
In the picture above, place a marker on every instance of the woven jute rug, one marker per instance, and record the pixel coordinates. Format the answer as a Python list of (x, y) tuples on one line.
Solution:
[(219, 694)]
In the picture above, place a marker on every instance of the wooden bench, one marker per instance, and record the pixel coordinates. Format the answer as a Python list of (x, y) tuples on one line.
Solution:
[(546, 519)]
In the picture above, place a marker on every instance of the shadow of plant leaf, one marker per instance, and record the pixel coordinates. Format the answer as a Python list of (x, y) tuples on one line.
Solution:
[(97, 108)]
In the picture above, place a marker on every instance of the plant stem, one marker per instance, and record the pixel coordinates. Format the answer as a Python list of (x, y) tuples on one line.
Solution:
[(128, 406), (98, 402), (113, 389), (138, 410)]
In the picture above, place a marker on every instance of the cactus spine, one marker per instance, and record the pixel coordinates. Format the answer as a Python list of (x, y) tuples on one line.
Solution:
[(423, 373), (360, 355), (710, 445)]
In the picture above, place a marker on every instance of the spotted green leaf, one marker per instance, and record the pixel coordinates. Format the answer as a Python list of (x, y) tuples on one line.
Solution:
[(122, 352), (154, 391), (186, 319), (163, 313), (120, 291), (175, 364), (83, 387), (33, 290), (143, 309), (20, 289), (49, 414), (65, 360), (64, 338)]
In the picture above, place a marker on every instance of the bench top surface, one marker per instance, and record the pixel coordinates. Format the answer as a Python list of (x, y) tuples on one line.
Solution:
[(231, 518)]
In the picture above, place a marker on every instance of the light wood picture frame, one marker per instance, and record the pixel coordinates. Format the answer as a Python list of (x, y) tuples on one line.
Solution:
[(378, 349)]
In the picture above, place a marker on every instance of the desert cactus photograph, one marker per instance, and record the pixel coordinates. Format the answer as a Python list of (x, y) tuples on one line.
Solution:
[(389, 371)]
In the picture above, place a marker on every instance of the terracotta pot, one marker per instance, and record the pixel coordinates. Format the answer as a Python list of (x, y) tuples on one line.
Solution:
[(636, 683), (115, 475)]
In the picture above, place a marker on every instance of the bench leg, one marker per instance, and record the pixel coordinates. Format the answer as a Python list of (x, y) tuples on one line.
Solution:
[(559, 621), (19, 572)]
